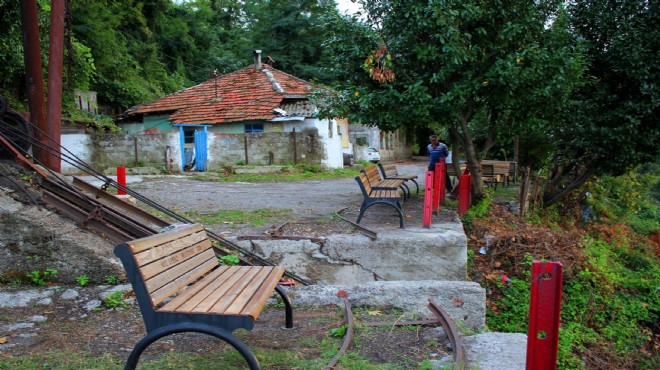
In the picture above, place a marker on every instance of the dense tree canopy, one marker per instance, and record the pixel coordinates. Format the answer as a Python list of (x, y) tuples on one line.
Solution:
[(484, 70), (135, 51)]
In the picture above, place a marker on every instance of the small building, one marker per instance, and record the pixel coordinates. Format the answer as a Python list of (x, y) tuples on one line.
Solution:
[(256, 115)]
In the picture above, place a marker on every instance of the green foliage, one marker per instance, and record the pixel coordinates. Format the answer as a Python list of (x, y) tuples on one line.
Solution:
[(114, 300), (478, 210), (82, 280), (339, 332), (42, 277), (229, 260), (111, 280), (95, 122)]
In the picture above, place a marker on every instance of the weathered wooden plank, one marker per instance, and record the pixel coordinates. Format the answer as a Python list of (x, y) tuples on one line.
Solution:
[(254, 307), (216, 277), (199, 240), (207, 298), (141, 244), (161, 289), (235, 291)]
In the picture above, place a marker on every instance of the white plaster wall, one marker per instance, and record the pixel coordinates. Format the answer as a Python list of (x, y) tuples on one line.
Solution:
[(331, 141), (74, 144)]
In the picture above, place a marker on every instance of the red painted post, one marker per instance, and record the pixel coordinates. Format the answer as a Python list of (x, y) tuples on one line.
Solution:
[(121, 179), (443, 179), (428, 198), (544, 310), (436, 189), (464, 184)]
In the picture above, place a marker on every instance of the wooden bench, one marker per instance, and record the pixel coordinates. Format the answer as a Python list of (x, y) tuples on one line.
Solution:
[(379, 183), (389, 172), (181, 287), (374, 196)]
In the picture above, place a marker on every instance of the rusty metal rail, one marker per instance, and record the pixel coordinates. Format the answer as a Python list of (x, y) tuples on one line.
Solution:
[(363, 230), (350, 331), (452, 333)]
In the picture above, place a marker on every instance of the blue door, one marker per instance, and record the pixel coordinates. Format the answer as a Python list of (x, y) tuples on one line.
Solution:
[(200, 150)]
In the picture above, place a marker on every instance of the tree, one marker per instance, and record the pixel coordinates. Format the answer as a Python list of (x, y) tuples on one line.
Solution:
[(612, 125), (471, 66)]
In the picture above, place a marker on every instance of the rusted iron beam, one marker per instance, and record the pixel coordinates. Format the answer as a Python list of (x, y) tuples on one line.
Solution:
[(282, 237), (452, 333), (81, 216), (53, 126), (130, 227), (118, 204), (361, 229), (22, 159), (33, 76), (350, 331), (402, 322)]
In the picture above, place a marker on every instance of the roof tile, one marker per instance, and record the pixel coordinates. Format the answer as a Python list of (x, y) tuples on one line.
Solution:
[(245, 94)]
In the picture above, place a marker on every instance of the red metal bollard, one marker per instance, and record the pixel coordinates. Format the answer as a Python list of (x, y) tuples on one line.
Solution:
[(121, 179), (436, 189), (428, 199), (464, 184), (442, 174), (544, 310)]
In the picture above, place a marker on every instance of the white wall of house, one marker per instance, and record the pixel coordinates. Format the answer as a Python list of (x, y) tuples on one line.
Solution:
[(74, 144)]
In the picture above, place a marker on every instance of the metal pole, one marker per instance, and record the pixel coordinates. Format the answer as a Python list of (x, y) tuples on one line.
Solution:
[(55, 57), (544, 315), (34, 78)]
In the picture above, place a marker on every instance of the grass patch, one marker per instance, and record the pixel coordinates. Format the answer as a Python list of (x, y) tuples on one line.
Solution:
[(257, 217), (296, 174)]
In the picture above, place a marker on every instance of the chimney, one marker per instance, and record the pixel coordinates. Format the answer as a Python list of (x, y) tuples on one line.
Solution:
[(257, 60)]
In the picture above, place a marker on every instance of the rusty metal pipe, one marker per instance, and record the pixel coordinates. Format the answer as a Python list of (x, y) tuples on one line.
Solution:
[(55, 60), (33, 76)]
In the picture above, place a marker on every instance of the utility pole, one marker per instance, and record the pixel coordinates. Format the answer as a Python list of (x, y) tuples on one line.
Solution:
[(34, 78), (55, 60)]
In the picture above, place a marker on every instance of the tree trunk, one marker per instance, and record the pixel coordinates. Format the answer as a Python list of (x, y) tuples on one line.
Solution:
[(554, 194), (472, 160)]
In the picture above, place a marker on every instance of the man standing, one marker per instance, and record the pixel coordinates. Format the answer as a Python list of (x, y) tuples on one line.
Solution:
[(436, 151)]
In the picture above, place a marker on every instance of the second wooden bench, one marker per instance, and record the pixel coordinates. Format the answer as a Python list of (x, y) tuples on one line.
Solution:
[(373, 196)]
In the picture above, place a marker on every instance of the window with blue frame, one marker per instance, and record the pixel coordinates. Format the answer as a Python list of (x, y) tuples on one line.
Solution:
[(254, 127)]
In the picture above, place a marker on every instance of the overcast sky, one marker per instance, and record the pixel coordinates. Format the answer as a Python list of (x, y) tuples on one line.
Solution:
[(347, 6)]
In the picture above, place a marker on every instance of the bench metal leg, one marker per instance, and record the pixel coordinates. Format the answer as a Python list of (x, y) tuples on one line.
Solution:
[(395, 206), (219, 333), (287, 307), (416, 184)]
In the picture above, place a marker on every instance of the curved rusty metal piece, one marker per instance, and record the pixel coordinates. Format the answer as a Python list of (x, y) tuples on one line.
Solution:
[(363, 230), (452, 333), (350, 331)]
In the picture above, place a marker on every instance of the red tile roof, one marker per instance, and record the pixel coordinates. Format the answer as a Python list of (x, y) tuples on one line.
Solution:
[(246, 94)]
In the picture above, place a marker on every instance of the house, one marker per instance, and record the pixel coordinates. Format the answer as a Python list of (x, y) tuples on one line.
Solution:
[(255, 115)]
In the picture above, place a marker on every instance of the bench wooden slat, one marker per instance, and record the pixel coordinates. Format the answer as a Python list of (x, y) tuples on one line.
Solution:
[(183, 256), (183, 274), (253, 308), (159, 251), (158, 295), (141, 244), (254, 294), (247, 285), (210, 295), (216, 276)]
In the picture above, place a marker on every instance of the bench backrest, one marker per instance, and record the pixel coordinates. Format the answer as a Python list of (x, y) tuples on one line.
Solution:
[(499, 167), (373, 175), (364, 184), (170, 261), (388, 170)]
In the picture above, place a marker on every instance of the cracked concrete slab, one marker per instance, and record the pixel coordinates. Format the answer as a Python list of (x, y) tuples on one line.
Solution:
[(464, 301), (437, 253)]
